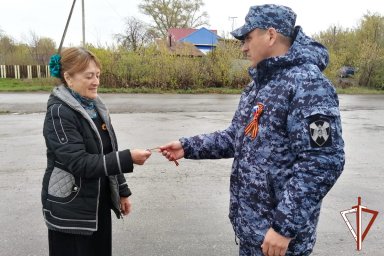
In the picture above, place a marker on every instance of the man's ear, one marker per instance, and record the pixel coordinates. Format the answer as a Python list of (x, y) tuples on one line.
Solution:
[(272, 33)]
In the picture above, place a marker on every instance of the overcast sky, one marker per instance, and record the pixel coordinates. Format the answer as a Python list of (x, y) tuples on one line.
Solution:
[(104, 18)]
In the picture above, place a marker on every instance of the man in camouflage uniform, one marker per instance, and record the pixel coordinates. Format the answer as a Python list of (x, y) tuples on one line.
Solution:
[(285, 137)]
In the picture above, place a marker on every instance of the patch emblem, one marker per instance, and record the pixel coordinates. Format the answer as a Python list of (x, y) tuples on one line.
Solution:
[(320, 132)]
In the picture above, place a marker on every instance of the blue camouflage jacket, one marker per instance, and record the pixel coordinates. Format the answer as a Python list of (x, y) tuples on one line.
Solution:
[(280, 177)]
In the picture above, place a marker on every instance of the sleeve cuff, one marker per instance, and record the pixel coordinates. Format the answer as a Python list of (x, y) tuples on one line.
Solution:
[(186, 147), (126, 161), (124, 191), (284, 230)]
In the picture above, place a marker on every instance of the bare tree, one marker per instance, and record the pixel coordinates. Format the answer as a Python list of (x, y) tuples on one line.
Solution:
[(168, 14), (136, 35), (7, 47), (41, 48)]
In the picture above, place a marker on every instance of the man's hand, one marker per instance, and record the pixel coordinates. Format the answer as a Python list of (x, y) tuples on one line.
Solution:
[(172, 151), (275, 244)]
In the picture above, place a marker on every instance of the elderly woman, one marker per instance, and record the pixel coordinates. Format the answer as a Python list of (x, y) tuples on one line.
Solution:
[(84, 177)]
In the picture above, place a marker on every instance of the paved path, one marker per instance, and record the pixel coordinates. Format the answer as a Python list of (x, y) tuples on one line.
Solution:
[(180, 210)]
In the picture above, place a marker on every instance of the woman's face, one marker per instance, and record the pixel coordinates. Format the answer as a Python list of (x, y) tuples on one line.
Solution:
[(85, 83)]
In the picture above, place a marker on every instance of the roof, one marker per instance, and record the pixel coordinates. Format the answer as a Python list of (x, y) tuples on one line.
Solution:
[(201, 36), (180, 48), (179, 33)]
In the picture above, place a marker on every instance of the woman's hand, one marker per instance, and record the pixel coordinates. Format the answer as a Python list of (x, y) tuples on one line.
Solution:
[(125, 205), (139, 156)]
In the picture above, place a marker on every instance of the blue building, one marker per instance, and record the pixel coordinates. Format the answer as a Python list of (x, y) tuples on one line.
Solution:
[(203, 39)]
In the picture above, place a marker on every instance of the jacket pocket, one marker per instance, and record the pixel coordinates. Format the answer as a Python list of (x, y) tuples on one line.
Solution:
[(62, 186)]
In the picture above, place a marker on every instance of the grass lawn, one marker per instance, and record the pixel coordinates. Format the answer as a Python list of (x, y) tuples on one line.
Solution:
[(26, 85), (46, 84)]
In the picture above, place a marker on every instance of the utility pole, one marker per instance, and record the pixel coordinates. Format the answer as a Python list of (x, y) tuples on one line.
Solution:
[(66, 27), (233, 21), (83, 17)]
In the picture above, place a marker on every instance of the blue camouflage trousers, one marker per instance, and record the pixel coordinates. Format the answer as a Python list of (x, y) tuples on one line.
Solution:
[(248, 249)]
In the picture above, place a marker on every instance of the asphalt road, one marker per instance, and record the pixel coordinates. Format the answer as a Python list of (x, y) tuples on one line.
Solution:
[(181, 210)]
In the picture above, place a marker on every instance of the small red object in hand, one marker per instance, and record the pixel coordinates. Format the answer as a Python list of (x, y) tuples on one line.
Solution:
[(158, 150)]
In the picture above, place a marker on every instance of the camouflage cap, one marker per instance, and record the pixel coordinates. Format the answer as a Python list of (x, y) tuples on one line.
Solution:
[(279, 17)]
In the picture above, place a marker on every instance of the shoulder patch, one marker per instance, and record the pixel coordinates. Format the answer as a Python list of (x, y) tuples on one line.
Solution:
[(320, 131)]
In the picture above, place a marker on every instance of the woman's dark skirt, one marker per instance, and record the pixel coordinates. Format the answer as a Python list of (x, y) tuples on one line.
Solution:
[(99, 243)]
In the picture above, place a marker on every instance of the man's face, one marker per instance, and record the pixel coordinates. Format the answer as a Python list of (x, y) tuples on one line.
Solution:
[(256, 46)]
